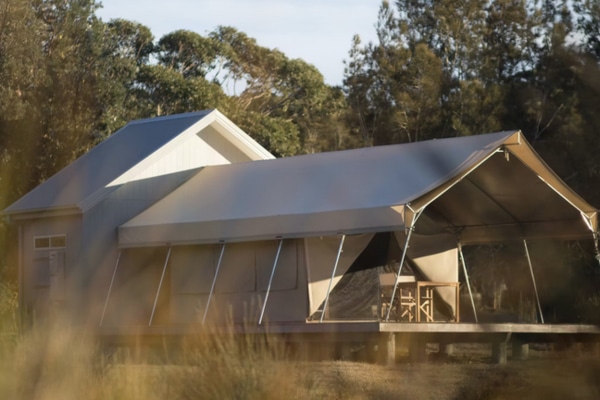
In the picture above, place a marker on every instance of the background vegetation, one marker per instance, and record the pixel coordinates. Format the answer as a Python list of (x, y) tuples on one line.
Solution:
[(439, 68)]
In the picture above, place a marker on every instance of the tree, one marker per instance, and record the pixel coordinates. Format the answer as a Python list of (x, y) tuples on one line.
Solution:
[(21, 75), (67, 99), (289, 91), (126, 47), (361, 116), (589, 25), (19, 39), (188, 53), (163, 90), (394, 87), (509, 39)]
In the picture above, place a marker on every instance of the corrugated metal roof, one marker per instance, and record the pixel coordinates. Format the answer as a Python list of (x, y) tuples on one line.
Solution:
[(96, 169)]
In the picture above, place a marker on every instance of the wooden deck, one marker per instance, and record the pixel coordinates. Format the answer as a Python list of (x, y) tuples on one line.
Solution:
[(380, 336), (430, 331)]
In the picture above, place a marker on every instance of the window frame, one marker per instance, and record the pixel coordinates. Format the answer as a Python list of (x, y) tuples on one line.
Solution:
[(50, 246)]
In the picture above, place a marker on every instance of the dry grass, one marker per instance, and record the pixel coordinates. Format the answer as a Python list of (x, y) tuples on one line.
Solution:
[(59, 364)]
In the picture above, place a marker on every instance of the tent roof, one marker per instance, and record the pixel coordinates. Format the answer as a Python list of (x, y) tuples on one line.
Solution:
[(353, 191), (119, 159)]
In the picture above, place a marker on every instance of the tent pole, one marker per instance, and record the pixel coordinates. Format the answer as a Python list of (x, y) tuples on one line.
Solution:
[(464, 266), (537, 298), (262, 313), (410, 230), (408, 235), (112, 280), (212, 287), (337, 259), (597, 255), (159, 286)]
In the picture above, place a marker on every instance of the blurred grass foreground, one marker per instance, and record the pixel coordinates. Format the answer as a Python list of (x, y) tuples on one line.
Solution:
[(56, 362)]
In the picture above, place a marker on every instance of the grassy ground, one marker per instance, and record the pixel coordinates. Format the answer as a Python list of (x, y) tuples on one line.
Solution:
[(58, 364), (469, 374)]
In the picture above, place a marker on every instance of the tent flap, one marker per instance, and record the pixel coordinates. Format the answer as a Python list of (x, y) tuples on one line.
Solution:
[(321, 253)]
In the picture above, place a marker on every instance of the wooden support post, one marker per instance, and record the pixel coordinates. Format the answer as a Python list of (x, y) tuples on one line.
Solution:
[(520, 350), (446, 349), (386, 349), (592, 349), (416, 351), (344, 351), (499, 352)]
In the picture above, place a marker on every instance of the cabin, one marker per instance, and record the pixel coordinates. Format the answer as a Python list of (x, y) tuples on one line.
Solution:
[(182, 222), (67, 226)]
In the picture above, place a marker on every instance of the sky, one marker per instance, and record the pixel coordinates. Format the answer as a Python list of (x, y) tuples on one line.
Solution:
[(318, 31)]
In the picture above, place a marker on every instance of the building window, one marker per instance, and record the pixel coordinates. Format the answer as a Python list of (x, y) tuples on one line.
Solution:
[(50, 242)]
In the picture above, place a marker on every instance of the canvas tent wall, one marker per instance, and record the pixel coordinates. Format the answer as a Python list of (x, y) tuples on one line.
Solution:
[(475, 189), (303, 276), (302, 271)]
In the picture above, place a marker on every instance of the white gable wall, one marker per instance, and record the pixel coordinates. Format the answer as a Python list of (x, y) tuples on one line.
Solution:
[(208, 147), (192, 154)]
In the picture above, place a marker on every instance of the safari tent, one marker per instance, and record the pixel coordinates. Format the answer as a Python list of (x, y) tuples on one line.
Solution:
[(279, 240), (185, 220)]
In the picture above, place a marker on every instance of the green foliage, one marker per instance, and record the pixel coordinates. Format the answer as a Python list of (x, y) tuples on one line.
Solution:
[(125, 48), (9, 304), (168, 92), (278, 92), (188, 53), (277, 134), (589, 23)]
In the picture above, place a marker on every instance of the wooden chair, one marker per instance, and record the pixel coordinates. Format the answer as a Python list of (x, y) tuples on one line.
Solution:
[(408, 302), (426, 304), (404, 306)]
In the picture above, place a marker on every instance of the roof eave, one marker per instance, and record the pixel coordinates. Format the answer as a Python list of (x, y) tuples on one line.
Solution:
[(21, 215)]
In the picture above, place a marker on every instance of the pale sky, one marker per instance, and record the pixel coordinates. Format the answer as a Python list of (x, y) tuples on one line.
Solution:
[(317, 31)]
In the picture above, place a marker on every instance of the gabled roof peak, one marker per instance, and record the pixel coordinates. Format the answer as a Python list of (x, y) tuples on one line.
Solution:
[(122, 156), (159, 118)]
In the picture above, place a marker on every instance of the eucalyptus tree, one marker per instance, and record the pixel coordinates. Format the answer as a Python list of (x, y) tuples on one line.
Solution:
[(126, 48), (73, 63), (21, 76), (19, 47), (290, 92), (188, 53), (50, 59), (448, 68), (362, 115), (589, 25), (394, 86), (161, 90)]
